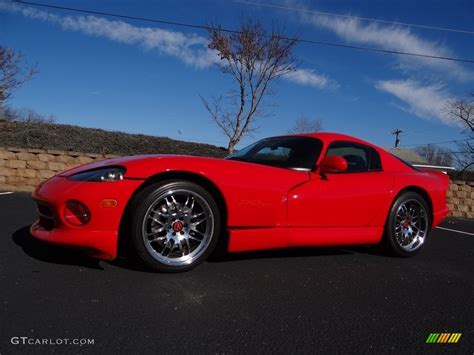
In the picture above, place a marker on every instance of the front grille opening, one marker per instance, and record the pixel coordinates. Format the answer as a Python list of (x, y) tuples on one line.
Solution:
[(47, 217), (47, 224), (45, 210)]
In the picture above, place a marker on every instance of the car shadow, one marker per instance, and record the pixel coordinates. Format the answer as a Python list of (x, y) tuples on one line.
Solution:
[(292, 253), (220, 254), (130, 262), (55, 254), (51, 253)]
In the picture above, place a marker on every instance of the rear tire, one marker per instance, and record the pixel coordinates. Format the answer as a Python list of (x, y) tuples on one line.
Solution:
[(408, 225), (175, 225)]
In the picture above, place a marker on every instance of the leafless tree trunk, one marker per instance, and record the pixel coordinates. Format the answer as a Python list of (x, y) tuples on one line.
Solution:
[(253, 58), (462, 111), (304, 124), (14, 72)]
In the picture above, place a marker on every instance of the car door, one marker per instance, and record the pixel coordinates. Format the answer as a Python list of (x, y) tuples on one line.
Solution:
[(349, 199), (256, 184)]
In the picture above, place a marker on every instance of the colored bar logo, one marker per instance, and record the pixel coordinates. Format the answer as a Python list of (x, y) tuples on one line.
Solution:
[(443, 338)]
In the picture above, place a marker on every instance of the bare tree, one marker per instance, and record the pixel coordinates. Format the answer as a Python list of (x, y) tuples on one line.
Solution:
[(253, 58), (14, 72), (304, 124), (462, 111), (465, 155), (436, 155), (27, 115)]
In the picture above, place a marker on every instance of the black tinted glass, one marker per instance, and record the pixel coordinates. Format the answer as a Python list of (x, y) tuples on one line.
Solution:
[(360, 158), (284, 152)]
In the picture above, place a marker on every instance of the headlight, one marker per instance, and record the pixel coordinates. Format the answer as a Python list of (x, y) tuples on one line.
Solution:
[(100, 175)]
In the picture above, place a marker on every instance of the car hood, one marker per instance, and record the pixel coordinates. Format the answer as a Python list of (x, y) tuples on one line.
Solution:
[(144, 166)]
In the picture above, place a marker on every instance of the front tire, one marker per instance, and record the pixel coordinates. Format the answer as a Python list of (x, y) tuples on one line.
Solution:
[(408, 225), (175, 225)]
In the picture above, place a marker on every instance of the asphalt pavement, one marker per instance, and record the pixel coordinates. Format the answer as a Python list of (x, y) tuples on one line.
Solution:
[(345, 300)]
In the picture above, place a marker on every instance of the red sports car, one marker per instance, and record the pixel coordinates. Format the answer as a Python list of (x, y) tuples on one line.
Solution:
[(319, 189)]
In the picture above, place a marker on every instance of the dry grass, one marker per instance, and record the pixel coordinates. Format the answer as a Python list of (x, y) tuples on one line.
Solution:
[(90, 140)]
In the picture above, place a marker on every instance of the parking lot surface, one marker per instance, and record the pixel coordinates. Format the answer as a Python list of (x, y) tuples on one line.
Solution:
[(304, 301)]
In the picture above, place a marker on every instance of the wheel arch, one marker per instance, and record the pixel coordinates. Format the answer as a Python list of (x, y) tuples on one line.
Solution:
[(420, 191), (196, 178)]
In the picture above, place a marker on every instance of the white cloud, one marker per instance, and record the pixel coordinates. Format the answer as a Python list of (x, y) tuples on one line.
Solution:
[(191, 49), (310, 78), (425, 101), (392, 37)]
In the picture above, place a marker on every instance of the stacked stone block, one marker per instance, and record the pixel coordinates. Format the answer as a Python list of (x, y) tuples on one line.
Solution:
[(24, 169), (460, 199)]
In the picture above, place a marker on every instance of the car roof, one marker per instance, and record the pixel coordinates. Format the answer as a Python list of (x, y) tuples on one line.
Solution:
[(330, 136)]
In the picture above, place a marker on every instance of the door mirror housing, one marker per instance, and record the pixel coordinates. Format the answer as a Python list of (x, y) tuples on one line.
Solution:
[(333, 165)]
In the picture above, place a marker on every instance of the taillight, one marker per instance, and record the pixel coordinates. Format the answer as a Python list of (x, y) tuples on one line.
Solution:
[(76, 213)]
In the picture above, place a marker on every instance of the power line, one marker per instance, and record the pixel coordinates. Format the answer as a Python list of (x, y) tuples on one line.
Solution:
[(435, 143), (204, 27), (93, 12), (321, 13)]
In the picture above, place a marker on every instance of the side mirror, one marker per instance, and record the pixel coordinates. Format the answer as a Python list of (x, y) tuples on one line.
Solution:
[(333, 164)]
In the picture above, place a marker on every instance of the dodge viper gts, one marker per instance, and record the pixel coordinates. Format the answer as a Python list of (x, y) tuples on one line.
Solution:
[(320, 189)]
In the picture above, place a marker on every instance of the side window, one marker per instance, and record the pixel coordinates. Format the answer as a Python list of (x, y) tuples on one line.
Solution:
[(276, 154), (375, 164), (360, 158)]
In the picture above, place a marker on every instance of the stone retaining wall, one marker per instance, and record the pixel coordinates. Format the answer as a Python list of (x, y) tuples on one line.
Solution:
[(23, 169), (460, 199)]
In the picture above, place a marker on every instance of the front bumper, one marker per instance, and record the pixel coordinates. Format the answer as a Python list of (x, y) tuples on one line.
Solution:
[(99, 237)]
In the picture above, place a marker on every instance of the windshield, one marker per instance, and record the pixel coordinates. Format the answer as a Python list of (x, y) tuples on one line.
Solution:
[(291, 152)]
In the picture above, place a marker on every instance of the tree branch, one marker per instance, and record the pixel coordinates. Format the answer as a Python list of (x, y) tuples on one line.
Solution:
[(254, 59)]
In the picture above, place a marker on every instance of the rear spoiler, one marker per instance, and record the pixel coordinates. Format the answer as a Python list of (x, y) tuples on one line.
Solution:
[(434, 167)]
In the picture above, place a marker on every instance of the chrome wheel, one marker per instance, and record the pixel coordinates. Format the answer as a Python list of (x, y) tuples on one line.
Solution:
[(178, 227), (411, 225)]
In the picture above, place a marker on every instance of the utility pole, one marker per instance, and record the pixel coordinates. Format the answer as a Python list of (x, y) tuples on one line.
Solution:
[(397, 133)]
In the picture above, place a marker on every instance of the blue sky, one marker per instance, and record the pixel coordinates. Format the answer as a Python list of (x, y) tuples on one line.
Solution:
[(141, 77)]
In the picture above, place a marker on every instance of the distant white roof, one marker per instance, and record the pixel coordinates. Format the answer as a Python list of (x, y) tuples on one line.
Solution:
[(415, 159), (408, 155)]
